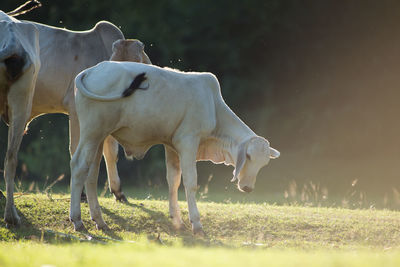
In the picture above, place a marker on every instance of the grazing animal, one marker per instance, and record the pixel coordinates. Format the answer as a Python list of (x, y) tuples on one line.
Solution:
[(151, 105), (38, 64), (19, 68), (129, 50)]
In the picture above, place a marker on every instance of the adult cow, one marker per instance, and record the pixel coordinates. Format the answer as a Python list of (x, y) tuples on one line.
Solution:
[(183, 111), (38, 64)]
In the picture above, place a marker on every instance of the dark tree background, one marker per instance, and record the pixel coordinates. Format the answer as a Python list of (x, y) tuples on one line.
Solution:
[(319, 79)]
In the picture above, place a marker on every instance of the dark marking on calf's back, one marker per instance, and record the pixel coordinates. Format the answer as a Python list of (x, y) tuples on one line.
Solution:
[(135, 85)]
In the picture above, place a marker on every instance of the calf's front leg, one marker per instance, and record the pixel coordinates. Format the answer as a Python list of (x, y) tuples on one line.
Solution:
[(174, 180), (81, 163), (187, 148)]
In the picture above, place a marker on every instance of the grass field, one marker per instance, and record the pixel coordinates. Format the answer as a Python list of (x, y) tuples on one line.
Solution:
[(237, 234)]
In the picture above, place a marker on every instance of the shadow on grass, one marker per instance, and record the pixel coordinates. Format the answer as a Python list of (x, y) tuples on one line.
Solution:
[(155, 222), (28, 230), (25, 231), (158, 224)]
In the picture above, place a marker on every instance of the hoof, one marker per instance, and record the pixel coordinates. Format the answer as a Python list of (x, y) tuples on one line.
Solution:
[(79, 227), (178, 225), (120, 197), (102, 227), (199, 232), (11, 217)]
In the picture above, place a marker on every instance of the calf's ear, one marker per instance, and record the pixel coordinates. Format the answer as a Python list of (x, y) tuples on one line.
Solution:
[(241, 159), (146, 58), (274, 154)]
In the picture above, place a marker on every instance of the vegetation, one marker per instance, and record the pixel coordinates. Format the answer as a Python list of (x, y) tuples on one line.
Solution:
[(144, 253), (318, 78), (238, 233)]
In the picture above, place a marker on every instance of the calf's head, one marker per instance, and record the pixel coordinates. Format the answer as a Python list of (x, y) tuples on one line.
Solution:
[(252, 156), (129, 50)]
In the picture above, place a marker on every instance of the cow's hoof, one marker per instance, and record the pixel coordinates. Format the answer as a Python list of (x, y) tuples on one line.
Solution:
[(121, 198), (11, 217), (79, 227), (181, 227), (102, 226), (198, 231), (178, 225)]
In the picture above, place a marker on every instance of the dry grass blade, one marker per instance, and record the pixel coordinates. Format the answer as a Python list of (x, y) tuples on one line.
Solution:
[(60, 178), (104, 191)]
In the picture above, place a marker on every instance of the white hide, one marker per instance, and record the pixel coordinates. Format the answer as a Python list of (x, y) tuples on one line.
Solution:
[(183, 111), (56, 56)]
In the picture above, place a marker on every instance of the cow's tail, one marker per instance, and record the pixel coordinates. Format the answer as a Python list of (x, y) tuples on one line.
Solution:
[(11, 68), (12, 62), (24, 8), (5, 77), (80, 85), (9, 49), (139, 79)]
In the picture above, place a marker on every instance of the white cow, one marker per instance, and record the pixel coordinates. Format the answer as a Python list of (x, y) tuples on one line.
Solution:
[(183, 111), (38, 64)]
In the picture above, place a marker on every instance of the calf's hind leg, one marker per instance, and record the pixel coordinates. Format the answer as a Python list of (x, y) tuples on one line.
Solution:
[(91, 190), (82, 162), (110, 152)]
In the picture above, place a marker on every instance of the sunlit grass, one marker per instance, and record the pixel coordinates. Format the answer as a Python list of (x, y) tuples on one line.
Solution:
[(237, 234), (228, 225)]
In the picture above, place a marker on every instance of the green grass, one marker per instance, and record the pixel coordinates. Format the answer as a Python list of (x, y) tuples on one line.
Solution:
[(145, 254), (237, 234)]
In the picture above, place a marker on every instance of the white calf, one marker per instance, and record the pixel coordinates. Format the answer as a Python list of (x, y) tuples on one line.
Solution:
[(142, 105)]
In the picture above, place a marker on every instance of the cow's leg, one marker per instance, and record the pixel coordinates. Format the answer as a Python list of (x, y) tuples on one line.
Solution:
[(91, 190), (73, 132), (20, 106), (110, 152), (187, 149), (15, 133), (174, 179), (81, 163)]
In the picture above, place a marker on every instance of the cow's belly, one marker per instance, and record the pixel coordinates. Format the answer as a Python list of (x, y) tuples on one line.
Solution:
[(50, 95)]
